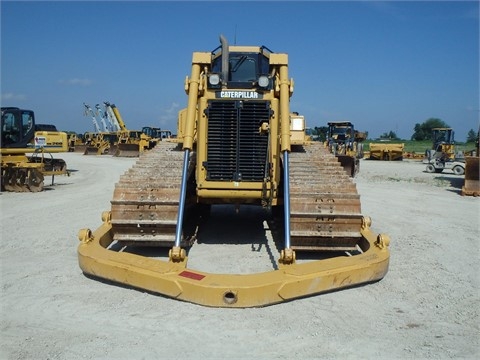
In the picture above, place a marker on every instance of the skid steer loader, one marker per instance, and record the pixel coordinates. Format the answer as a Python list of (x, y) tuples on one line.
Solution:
[(233, 146)]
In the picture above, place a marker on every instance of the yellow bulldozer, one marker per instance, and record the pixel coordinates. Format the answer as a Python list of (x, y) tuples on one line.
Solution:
[(234, 147), (22, 172)]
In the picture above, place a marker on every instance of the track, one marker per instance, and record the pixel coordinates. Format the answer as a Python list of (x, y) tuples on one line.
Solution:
[(325, 211), (145, 200), (324, 203)]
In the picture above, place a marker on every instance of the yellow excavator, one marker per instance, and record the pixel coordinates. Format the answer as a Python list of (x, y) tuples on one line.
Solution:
[(234, 146), (22, 173)]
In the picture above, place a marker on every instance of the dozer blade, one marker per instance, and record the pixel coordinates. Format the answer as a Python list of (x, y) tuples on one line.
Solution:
[(175, 280), (112, 149), (90, 150), (472, 183), (127, 150), (80, 148), (350, 164)]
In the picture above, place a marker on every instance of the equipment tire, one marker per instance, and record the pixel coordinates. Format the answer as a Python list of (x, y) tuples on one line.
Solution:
[(458, 170), (430, 168)]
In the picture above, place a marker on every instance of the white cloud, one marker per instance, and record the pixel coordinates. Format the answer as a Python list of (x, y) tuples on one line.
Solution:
[(169, 116), (173, 109), (12, 97), (75, 82)]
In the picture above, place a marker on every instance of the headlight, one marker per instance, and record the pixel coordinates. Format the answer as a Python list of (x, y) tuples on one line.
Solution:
[(214, 79), (263, 81)]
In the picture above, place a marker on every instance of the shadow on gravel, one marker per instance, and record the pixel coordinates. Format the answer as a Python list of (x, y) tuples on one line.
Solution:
[(455, 181), (229, 225)]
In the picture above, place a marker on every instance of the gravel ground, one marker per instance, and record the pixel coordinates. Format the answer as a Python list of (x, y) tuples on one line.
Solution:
[(427, 306)]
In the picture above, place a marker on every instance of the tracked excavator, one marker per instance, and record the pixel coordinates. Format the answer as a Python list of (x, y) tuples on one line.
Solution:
[(233, 146), (22, 172)]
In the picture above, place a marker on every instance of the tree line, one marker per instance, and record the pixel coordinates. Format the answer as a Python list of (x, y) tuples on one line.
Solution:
[(421, 131)]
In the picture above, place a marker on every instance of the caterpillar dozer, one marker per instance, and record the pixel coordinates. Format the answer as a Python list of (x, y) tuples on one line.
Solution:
[(130, 142), (346, 144), (234, 147), (22, 173)]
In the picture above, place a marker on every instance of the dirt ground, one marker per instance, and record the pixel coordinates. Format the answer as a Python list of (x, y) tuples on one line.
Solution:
[(427, 306)]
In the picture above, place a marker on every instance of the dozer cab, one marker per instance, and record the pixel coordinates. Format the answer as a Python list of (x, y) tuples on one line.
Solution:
[(346, 144), (153, 135), (233, 146), (22, 173)]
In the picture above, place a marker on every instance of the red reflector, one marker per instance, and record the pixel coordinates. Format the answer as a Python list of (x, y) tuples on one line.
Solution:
[(191, 275)]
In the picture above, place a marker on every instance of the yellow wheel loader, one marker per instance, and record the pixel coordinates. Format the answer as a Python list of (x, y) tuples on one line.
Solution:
[(22, 173), (346, 144), (443, 155), (234, 147)]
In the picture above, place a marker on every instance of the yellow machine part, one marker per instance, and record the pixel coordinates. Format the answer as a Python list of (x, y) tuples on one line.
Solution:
[(297, 130), (21, 173), (174, 279), (472, 182), (382, 151)]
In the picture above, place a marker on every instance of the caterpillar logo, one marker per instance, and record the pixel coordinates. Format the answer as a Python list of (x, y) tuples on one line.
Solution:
[(239, 94)]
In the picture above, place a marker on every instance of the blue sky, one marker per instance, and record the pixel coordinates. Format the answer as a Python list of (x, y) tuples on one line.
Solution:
[(385, 66)]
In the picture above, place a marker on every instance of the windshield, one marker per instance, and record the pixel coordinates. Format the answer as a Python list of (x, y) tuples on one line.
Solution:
[(243, 67), (16, 126)]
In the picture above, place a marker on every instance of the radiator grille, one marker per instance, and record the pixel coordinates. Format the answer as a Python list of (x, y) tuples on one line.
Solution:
[(236, 150)]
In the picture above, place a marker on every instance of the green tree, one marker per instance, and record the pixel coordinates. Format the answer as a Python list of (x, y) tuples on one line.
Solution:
[(472, 136), (390, 135), (424, 131), (321, 131)]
